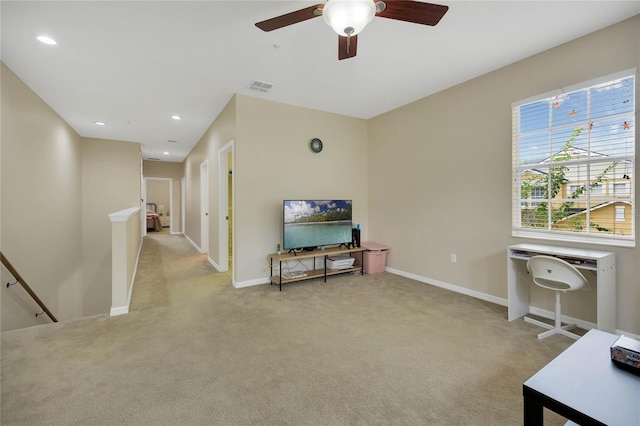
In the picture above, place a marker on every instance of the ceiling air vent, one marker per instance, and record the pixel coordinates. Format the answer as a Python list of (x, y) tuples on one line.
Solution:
[(152, 158), (260, 86)]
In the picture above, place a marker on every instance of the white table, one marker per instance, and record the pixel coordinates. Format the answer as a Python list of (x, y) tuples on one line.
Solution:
[(583, 385), (603, 263)]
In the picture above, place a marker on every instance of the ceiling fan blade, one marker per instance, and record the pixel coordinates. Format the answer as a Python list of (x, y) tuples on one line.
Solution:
[(413, 11), (291, 18), (347, 47)]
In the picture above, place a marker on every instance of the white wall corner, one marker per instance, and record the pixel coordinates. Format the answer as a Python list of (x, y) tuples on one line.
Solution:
[(121, 310), (133, 279)]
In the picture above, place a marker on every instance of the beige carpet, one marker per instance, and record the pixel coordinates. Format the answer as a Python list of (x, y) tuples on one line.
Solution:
[(358, 350)]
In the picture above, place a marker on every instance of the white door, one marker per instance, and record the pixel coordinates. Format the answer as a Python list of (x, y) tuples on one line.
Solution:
[(204, 206)]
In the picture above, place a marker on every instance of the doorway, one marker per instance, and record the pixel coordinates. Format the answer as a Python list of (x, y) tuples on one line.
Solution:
[(204, 206), (159, 191), (225, 202)]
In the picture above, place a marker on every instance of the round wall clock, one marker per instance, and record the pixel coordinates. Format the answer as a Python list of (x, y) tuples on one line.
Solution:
[(315, 145)]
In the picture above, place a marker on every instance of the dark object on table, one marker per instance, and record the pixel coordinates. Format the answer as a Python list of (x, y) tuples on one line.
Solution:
[(625, 353)]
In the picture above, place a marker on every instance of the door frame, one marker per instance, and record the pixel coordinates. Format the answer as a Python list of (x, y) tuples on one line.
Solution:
[(143, 207), (204, 207), (183, 203), (223, 205)]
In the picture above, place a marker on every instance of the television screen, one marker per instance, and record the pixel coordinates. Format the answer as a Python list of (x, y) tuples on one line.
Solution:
[(314, 223)]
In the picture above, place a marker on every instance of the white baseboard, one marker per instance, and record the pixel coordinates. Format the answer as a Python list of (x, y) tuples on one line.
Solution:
[(452, 287), (214, 264), (455, 288), (118, 310), (635, 336), (500, 301), (251, 283), (193, 244)]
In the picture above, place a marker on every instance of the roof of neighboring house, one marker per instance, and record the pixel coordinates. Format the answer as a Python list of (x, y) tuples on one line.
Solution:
[(598, 207)]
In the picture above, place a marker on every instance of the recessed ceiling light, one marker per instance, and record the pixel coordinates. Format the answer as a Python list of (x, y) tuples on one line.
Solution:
[(165, 153), (176, 117), (47, 40), (100, 123)]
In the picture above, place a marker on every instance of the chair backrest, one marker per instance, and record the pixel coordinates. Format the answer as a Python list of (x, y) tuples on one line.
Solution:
[(556, 274)]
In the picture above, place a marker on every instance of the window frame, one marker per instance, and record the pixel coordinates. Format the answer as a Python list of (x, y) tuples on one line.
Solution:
[(606, 187)]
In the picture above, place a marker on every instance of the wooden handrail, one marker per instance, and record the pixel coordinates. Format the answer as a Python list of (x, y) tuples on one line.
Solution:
[(24, 285)]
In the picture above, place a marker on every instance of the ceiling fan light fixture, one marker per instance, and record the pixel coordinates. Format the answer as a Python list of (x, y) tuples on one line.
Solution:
[(348, 17)]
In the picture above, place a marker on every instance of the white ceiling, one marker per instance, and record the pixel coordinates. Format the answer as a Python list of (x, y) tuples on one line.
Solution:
[(134, 64)]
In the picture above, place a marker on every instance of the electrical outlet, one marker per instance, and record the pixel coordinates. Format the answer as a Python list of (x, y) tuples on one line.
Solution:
[(454, 258)]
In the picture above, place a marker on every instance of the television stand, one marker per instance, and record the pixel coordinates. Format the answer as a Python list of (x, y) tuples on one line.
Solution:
[(322, 272)]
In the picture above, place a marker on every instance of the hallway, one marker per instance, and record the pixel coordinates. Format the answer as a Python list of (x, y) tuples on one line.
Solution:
[(171, 273)]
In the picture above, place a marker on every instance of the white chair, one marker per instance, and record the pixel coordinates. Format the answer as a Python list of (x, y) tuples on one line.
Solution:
[(557, 275)]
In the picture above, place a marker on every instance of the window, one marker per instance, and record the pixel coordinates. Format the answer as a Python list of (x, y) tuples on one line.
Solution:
[(574, 154), (620, 188), (537, 193), (574, 188), (597, 188)]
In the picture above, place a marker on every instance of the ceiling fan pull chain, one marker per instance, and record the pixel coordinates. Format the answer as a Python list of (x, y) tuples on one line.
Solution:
[(348, 31)]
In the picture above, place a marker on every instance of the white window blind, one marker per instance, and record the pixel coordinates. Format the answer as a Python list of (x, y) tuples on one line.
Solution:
[(573, 163)]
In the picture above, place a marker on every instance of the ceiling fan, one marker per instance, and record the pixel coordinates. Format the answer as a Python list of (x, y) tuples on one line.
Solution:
[(349, 17)]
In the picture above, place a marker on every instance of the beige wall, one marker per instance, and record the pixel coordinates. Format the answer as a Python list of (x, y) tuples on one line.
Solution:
[(158, 193), (111, 176), (57, 190), (440, 173), (221, 132), (273, 162), (173, 171), (41, 220)]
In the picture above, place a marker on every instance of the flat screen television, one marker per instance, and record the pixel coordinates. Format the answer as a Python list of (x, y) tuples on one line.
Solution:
[(316, 223)]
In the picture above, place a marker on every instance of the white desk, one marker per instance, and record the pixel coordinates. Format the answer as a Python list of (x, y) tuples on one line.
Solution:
[(601, 262)]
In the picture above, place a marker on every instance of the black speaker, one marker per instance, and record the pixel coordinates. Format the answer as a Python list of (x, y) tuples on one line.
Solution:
[(355, 237)]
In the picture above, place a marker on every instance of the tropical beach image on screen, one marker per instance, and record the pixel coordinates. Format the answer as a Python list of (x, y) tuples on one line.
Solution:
[(315, 223)]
